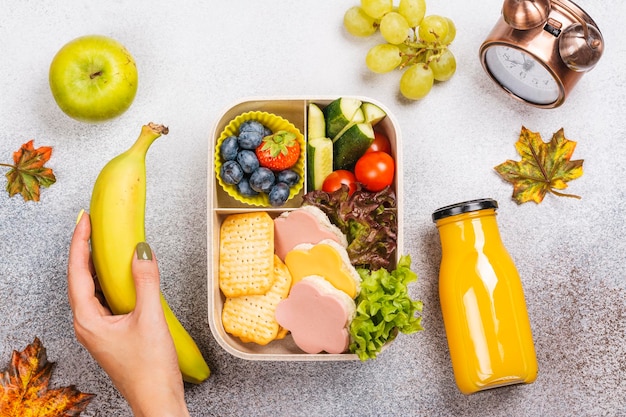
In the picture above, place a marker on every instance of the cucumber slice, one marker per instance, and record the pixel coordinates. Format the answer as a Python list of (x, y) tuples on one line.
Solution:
[(350, 146), (319, 161), (373, 113), (316, 122), (358, 117), (339, 113)]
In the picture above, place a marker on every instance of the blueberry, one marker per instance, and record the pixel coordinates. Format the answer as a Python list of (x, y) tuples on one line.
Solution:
[(267, 132), (231, 172), (279, 194), (244, 188), (262, 180), (249, 139), (251, 126), (248, 161), (289, 177), (229, 148)]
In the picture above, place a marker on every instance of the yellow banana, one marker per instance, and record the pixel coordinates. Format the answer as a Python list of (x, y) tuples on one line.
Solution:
[(117, 215)]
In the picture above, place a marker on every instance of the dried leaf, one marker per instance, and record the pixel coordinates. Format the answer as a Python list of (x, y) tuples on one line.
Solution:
[(544, 168), (29, 174), (24, 388)]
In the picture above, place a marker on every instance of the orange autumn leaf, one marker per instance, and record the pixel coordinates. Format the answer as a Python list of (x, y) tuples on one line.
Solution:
[(24, 388), (544, 168), (28, 173)]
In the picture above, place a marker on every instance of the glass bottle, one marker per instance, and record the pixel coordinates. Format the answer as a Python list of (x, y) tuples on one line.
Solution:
[(482, 300)]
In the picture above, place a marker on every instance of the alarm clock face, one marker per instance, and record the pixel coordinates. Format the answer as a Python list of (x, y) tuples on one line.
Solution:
[(521, 74)]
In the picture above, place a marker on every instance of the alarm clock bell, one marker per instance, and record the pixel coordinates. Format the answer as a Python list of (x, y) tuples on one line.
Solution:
[(539, 49)]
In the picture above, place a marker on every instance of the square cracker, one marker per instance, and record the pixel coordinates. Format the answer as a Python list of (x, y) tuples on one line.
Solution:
[(252, 317), (246, 254)]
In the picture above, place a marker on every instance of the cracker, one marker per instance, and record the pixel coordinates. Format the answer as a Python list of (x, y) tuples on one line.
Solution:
[(251, 317), (246, 254), (282, 333)]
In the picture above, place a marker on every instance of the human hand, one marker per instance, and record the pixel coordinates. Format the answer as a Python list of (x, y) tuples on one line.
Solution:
[(136, 349)]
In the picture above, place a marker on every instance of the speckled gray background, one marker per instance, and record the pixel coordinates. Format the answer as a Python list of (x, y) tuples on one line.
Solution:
[(195, 59)]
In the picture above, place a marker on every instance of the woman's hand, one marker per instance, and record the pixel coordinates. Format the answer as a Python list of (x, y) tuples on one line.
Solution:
[(135, 349)]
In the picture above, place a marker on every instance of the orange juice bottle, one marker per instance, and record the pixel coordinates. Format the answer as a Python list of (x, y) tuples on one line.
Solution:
[(482, 300)]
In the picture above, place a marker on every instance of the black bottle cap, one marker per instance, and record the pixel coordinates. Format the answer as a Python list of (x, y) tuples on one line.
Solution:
[(464, 207)]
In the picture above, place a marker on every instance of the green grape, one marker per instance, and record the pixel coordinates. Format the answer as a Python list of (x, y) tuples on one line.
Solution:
[(433, 28), (451, 32), (413, 11), (394, 28), (383, 58), (359, 23), (416, 81), (443, 67), (377, 8)]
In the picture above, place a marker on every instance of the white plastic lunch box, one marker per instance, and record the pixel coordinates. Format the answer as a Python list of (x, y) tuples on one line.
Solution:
[(220, 204)]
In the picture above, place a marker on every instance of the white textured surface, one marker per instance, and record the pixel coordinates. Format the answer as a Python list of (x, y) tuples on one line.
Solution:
[(196, 58)]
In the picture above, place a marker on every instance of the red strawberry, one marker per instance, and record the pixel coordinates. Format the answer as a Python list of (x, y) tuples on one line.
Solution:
[(278, 151)]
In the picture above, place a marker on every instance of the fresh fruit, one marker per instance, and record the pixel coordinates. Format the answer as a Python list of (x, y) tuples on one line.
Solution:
[(231, 172), (117, 224), (319, 161), (278, 151), (413, 11), (359, 23), (229, 148), (262, 180), (249, 139), (248, 161), (412, 39), (243, 187), (380, 144), (93, 78), (334, 181), (278, 194), (451, 32), (288, 177), (433, 28), (375, 170), (253, 126), (352, 145), (241, 171), (417, 81), (383, 58), (394, 28), (377, 8), (444, 66)]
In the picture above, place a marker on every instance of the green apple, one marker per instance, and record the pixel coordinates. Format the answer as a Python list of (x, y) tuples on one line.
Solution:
[(93, 78)]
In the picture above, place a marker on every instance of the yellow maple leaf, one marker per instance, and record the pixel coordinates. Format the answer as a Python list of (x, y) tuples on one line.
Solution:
[(544, 168), (24, 388)]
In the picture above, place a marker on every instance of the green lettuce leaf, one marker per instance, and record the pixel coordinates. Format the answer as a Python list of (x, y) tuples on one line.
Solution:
[(384, 308), (368, 219)]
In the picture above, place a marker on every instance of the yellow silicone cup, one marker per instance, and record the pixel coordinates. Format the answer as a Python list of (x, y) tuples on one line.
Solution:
[(274, 123)]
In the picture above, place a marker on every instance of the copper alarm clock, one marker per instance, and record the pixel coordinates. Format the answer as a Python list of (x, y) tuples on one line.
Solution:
[(539, 49)]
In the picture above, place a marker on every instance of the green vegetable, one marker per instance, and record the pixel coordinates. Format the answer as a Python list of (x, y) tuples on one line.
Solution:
[(384, 308), (351, 145), (368, 219)]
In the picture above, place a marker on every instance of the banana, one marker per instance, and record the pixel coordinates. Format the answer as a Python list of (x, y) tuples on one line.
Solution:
[(117, 213)]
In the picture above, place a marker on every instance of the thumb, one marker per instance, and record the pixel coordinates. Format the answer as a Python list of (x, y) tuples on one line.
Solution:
[(146, 275)]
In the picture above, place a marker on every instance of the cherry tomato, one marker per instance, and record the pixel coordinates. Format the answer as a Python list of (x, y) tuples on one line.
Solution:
[(375, 170), (380, 144), (341, 176)]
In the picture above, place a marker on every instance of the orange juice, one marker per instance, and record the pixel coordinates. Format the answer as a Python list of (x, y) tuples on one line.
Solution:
[(482, 300)]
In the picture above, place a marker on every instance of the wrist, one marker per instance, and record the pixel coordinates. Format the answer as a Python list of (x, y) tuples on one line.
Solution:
[(157, 400), (160, 407)]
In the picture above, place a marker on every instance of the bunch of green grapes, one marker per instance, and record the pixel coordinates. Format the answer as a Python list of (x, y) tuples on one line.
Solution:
[(415, 43)]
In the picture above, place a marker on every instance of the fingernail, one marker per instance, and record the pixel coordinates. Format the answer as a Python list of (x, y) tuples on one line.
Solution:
[(144, 253), (80, 215)]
